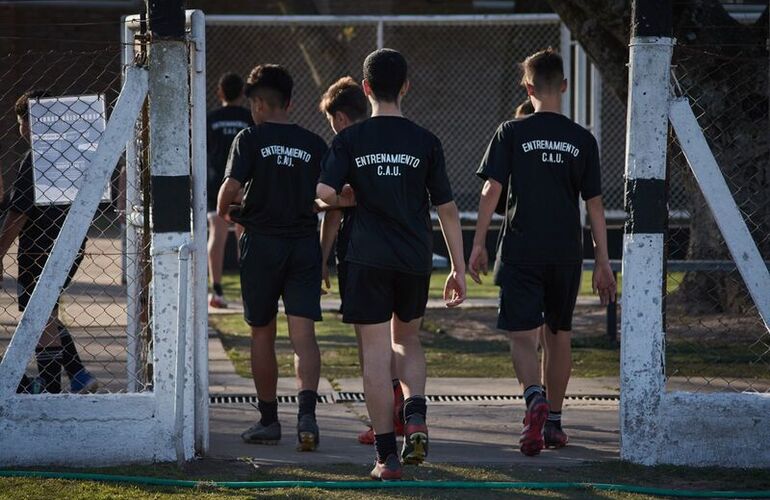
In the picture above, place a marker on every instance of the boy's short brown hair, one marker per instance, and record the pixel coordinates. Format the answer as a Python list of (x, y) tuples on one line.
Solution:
[(347, 96), (271, 82), (22, 103), (544, 70)]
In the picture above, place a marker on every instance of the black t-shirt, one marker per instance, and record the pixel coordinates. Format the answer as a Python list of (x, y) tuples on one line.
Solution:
[(43, 223), (278, 165), (396, 169), (343, 236), (222, 125), (547, 161)]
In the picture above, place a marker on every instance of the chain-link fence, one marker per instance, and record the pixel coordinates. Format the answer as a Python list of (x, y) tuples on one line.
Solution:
[(463, 73), (716, 339), (85, 347)]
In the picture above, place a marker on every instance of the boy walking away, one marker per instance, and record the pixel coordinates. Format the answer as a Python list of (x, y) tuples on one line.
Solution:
[(277, 163), (37, 228), (546, 161), (222, 125), (396, 169), (344, 104)]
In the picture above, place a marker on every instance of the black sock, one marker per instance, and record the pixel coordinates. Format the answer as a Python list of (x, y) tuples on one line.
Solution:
[(307, 400), (49, 368), (396, 382), (554, 418), (531, 392), (385, 445), (70, 358), (269, 411), (415, 404), (218, 289)]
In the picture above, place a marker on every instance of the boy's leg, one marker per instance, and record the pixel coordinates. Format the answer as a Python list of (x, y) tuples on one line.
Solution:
[(524, 356), (218, 231), (562, 286), (262, 275), (48, 355), (376, 347), (302, 300), (411, 369)]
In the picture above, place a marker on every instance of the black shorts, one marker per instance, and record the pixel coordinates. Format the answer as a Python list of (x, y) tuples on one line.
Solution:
[(273, 267), (342, 280), (373, 295), (30, 268), (535, 294)]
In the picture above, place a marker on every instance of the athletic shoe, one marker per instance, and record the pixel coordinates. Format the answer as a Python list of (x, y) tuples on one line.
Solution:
[(531, 441), (30, 385), (217, 301), (554, 436), (307, 433), (415, 440), (83, 383), (366, 437), (390, 470), (259, 434)]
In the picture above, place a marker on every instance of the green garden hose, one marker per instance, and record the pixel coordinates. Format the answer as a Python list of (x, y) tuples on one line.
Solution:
[(368, 485)]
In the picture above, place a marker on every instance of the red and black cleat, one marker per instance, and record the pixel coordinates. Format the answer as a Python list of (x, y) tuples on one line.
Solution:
[(390, 470), (532, 441), (415, 440)]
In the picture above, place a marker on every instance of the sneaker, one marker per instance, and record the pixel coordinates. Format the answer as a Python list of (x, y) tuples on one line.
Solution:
[(415, 440), (554, 436), (217, 301), (390, 470), (398, 410), (531, 441), (307, 433), (83, 383), (367, 436), (30, 385), (259, 434)]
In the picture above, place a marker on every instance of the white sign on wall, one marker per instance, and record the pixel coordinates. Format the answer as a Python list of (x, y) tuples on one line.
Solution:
[(64, 132)]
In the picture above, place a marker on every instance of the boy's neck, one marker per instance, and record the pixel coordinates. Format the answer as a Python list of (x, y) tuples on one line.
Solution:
[(385, 108), (548, 104), (277, 116)]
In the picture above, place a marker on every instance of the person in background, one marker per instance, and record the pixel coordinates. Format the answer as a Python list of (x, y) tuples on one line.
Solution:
[(222, 125)]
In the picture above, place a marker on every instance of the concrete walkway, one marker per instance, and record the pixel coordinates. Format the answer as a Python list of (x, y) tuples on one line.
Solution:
[(461, 432)]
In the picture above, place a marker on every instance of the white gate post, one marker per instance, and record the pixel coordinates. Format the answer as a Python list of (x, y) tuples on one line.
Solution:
[(170, 210), (642, 376)]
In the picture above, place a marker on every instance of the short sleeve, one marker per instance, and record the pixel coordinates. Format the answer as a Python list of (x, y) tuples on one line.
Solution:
[(23, 191), (437, 180), (335, 167), (242, 158), (498, 159), (591, 183)]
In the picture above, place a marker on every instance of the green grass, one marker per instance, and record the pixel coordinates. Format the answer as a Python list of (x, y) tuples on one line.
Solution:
[(450, 355), (213, 470), (487, 290)]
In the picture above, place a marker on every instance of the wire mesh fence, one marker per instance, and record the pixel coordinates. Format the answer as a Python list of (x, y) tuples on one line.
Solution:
[(716, 339), (44, 151)]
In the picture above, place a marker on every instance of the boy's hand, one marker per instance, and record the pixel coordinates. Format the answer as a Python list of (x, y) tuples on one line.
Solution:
[(347, 196), (454, 289), (604, 282), (325, 278), (478, 262)]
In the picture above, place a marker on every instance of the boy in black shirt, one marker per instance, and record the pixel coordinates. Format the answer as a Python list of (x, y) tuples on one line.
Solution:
[(222, 125), (277, 163), (546, 161), (37, 227), (344, 104), (396, 169)]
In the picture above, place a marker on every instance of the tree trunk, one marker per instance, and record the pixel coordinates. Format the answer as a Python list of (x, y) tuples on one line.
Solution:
[(722, 66)]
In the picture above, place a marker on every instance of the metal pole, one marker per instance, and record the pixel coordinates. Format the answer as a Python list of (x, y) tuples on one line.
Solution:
[(565, 47), (380, 35), (642, 377), (170, 212), (200, 262)]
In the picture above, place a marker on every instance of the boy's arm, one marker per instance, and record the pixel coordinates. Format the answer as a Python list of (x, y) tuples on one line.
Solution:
[(228, 193), (603, 279), (330, 226), (479, 260), (455, 287)]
